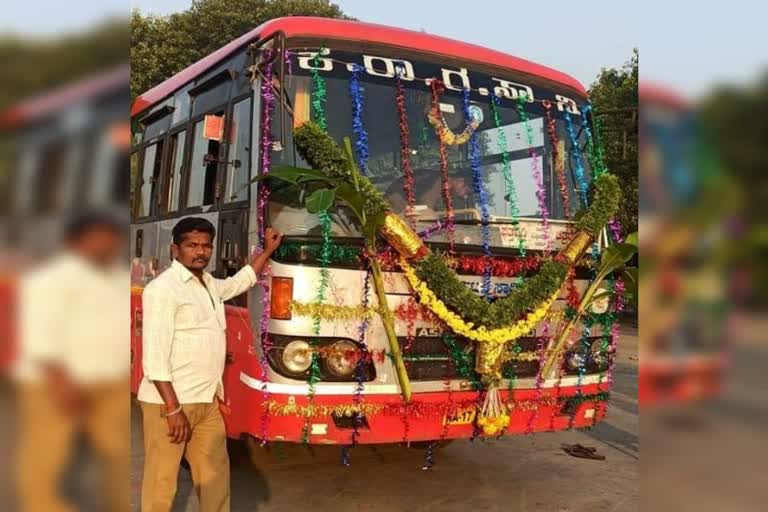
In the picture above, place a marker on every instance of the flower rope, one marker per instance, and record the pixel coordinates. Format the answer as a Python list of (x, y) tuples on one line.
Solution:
[(445, 134), (468, 330)]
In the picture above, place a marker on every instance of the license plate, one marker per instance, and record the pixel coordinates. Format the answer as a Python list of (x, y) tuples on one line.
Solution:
[(461, 417)]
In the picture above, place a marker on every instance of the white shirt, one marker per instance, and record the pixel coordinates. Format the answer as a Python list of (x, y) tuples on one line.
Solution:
[(75, 315), (184, 332)]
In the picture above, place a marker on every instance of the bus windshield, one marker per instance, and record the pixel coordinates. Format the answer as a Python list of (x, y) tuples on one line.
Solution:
[(384, 167)]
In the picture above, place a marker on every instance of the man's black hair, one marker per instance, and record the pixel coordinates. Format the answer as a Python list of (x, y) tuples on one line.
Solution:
[(85, 221), (190, 224)]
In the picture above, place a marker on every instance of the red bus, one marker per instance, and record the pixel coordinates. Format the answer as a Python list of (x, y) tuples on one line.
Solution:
[(202, 137), (683, 343), (63, 150)]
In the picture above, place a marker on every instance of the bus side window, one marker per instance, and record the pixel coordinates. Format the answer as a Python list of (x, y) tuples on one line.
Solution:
[(138, 250), (171, 180), (134, 184), (203, 166), (238, 137), (232, 248), (153, 158)]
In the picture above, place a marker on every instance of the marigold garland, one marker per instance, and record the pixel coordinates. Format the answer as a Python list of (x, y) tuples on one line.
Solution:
[(447, 135), (468, 329), (536, 290)]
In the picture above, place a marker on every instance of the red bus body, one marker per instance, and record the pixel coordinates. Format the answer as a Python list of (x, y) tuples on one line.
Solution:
[(246, 386)]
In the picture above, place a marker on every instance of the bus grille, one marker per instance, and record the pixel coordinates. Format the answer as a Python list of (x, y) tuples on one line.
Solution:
[(429, 359)]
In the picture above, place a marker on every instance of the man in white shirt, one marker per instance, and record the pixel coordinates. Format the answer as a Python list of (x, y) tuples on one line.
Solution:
[(73, 364), (184, 350)]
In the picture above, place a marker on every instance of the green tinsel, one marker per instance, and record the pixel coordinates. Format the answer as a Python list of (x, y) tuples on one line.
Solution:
[(463, 362), (336, 253), (599, 156), (509, 183), (319, 93), (325, 260)]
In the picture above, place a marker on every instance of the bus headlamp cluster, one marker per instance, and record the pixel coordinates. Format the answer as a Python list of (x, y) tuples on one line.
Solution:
[(337, 358)]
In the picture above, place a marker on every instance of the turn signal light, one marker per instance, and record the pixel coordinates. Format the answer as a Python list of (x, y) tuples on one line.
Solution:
[(282, 296)]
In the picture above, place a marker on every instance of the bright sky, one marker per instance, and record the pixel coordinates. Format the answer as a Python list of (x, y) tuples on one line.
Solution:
[(687, 48)]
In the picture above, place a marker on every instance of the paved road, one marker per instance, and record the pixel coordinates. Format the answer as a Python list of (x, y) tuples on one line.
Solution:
[(523, 473)]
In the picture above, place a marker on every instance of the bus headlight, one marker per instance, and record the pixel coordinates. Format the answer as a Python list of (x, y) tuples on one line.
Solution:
[(342, 360), (297, 356)]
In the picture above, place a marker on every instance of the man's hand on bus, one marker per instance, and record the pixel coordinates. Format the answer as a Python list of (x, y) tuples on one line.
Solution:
[(272, 240)]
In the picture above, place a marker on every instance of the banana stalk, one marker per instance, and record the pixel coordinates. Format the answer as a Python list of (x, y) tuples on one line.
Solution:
[(389, 327)]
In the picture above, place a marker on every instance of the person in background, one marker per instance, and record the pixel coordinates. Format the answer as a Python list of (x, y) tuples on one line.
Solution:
[(73, 366), (428, 192), (184, 349)]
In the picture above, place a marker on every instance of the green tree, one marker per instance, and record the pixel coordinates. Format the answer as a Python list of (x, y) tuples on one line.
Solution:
[(32, 65), (164, 45), (614, 95)]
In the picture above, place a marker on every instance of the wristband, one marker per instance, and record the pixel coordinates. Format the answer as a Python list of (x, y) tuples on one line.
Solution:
[(175, 411)]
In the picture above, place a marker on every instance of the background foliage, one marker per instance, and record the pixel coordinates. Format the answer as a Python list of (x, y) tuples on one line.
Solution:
[(615, 97), (164, 45)]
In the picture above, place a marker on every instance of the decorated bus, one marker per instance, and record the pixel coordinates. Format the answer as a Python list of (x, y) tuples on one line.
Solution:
[(446, 271), (685, 205), (62, 151)]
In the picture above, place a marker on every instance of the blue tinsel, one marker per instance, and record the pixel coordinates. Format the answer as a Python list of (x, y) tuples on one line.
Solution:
[(358, 128), (581, 182), (479, 188)]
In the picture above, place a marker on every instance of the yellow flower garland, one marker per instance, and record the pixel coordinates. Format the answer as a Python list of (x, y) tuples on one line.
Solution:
[(446, 134), (468, 329)]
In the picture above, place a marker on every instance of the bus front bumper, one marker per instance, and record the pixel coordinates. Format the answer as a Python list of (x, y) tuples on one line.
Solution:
[(263, 413)]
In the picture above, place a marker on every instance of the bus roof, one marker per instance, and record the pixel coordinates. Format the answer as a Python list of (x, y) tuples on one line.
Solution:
[(301, 26), (55, 100), (661, 95)]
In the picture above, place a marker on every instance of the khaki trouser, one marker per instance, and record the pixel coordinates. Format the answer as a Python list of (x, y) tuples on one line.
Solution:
[(45, 445), (206, 453)]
